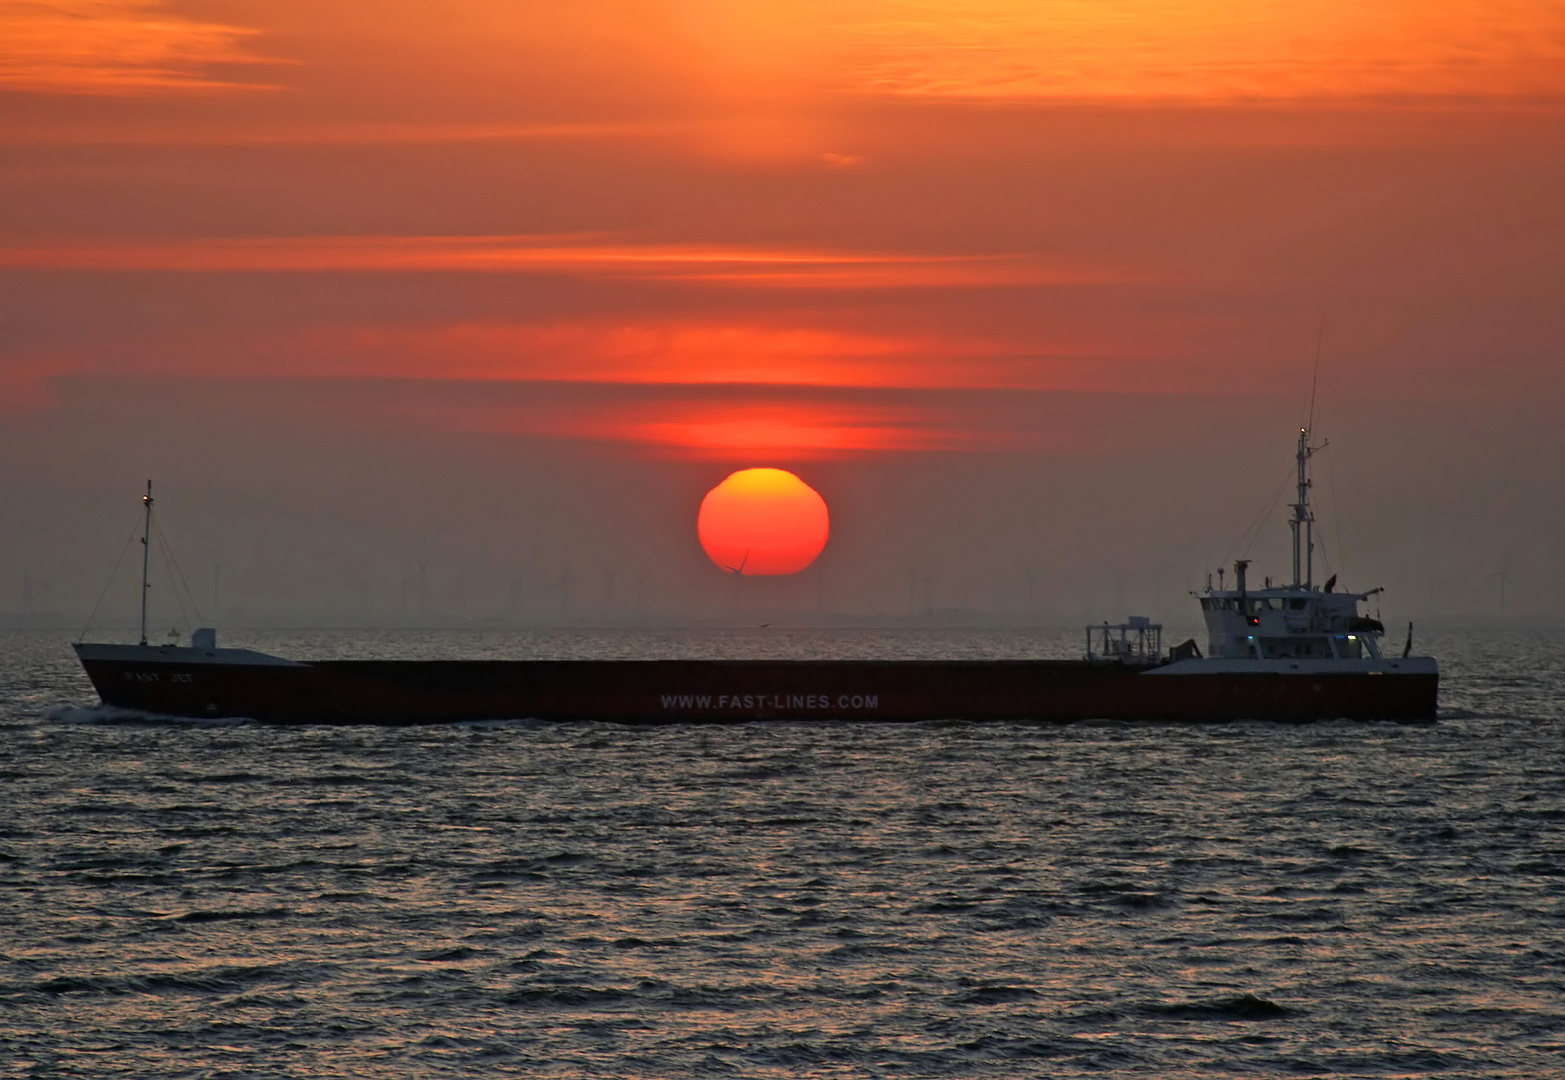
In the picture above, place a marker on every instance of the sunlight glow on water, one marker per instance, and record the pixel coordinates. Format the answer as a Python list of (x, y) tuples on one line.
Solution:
[(783, 899)]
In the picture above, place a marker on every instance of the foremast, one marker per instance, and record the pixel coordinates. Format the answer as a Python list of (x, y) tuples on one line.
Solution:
[(146, 552)]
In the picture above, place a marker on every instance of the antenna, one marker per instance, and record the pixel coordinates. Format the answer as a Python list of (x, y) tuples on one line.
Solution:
[(1320, 334), (146, 552)]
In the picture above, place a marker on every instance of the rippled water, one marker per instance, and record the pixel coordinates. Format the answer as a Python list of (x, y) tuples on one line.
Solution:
[(783, 899)]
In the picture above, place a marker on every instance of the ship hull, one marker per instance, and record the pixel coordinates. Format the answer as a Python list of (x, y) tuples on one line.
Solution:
[(186, 683)]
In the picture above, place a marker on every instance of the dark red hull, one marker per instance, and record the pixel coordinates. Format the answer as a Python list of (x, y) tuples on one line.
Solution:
[(718, 691)]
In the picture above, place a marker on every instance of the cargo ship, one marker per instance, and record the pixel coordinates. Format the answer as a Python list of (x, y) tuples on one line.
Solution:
[(1293, 652)]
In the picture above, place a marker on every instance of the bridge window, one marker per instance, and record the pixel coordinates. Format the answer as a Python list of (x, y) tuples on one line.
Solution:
[(1295, 648), (1349, 646)]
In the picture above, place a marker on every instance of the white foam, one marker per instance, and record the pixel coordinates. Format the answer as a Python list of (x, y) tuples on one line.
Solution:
[(113, 714), (499, 722)]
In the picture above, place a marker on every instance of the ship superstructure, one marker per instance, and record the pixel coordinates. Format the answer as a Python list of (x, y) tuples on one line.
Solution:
[(1297, 621), (1288, 623)]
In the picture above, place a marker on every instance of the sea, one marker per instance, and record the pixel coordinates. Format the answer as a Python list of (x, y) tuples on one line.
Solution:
[(825, 899)]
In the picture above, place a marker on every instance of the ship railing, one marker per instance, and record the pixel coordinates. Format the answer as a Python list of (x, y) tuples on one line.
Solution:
[(1138, 640)]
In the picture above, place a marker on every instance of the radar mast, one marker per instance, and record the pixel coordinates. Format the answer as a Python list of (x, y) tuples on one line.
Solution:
[(1303, 521)]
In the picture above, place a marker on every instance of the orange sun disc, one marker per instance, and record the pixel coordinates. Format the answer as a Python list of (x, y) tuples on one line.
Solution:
[(763, 522)]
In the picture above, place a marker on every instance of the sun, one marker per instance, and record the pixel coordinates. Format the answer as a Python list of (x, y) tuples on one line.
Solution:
[(763, 522)]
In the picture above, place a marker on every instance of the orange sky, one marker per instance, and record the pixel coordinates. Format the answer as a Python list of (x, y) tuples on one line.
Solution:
[(794, 203)]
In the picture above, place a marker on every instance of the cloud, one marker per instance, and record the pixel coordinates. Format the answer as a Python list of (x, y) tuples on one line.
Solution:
[(561, 254), (664, 350), (114, 47), (705, 421), (1226, 50), (747, 423)]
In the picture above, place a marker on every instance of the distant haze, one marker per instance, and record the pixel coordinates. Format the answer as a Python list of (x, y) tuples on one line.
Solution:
[(453, 313)]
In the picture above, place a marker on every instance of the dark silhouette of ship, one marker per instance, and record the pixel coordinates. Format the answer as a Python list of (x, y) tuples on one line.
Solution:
[(1294, 652)]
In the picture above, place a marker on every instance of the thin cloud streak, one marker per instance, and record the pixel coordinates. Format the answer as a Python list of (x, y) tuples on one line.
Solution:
[(669, 353), (307, 132), (654, 352), (706, 421), (767, 429), (116, 47), (1232, 51), (731, 264)]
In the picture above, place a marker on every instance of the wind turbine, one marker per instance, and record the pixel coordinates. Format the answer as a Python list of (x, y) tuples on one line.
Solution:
[(738, 575), (1504, 574), (31, 586), (1119, 587), (566, 577)]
